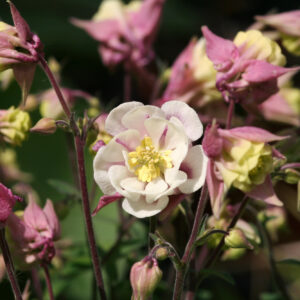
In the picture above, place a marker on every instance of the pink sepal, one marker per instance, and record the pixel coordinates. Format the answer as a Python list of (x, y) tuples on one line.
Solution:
[(265, 192), (105, 200)]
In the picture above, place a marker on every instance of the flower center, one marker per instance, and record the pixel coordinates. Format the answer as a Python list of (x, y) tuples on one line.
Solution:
[(148, 163)]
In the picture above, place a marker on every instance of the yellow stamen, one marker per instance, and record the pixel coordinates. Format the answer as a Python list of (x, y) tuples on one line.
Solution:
[(148, 163)]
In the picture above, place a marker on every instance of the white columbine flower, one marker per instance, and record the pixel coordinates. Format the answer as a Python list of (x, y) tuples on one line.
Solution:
[(151, 155)]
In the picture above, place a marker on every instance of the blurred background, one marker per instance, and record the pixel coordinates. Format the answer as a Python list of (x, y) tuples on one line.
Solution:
[(46, 157)]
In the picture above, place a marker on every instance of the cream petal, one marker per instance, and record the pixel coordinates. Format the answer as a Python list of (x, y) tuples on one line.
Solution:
[(136, 117), (113, 123), (155, 128), (116, 175), (128, 139), (142, 209), (154, 187), (187, 116), (195, 165), (133, 185)]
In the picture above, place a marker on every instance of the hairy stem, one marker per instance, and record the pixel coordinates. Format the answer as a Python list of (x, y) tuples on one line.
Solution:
[(9, 266), (48, 281), (181, 272)]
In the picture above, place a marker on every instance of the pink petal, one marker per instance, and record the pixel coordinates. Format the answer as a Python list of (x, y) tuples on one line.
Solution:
[(7, 202), (35, 217), (212, 142), (24, 74), (266, 193), (52, 219), (105, 200), (220, 51), (22, 27), (260, 71), (251, 133)]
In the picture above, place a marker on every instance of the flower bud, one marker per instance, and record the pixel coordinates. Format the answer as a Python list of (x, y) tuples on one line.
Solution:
[(233, 254), (144, 277), (161, 253), (292, 176), (44, 126), (237, 239)]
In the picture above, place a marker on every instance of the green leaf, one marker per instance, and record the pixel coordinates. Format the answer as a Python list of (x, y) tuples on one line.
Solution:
[(270, 296), (64, 187), (290, 261), (219, 274)]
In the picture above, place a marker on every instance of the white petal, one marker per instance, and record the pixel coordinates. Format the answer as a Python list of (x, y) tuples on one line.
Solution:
[(113, 123), (116, 175), (142, 209), (136, 117), (128, 139), (133, 185), (155, 187), (186, 115), (155, 128), (195, 165)]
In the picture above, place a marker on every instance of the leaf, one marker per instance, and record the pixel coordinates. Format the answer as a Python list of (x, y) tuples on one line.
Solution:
[(222, 275), (269, 296), (64, 187), (290, 261)]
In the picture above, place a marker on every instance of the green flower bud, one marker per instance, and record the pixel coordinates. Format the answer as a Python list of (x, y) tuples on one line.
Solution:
[(237, 239), (161, 253), (14, 125)]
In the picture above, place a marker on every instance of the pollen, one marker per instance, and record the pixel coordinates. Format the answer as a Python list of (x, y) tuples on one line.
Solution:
[(147, 162)]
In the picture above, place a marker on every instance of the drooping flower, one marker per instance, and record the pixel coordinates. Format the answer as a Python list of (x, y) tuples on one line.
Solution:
[(288, 25), (14, 125), (150, 156), (19, 50), (123, 33), (242, 158), (193, 77), (34, 233), (7, 202), (247, 68), (144, 277)]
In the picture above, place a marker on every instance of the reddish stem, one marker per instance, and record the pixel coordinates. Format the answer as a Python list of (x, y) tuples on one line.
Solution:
[(9, 265), (48, 281), (87, 215)]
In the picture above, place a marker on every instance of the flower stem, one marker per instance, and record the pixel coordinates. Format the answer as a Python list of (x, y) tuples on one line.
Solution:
[(87, 214), (48, 281), (79, 145), (55, 85), (9, 265), (181, 272), (152, 228), (230, 113), (233, 222)]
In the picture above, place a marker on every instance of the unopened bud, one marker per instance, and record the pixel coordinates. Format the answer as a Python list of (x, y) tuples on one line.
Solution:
[(161, 253), (144, 277), (292, 176), (237, 239), (44, 126), (233, 254)]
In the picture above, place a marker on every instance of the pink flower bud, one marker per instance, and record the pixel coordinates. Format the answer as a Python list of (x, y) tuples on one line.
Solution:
[(44, 126), (144, 277)]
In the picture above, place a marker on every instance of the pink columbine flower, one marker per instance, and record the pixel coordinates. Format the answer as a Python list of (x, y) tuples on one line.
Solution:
[(7, 202), (125, 32), (241, 158), (150, 156), (247, 68), (35, 232), (193, 77), (23, 62)]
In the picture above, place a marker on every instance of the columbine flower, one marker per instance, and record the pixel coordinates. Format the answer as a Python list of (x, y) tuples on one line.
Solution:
[(144, 277), (193, 77), (19, 50), (150, 156), (239, 158), (33, 234), (121, 29), (7, 202), (14, 125), (248, 67), (288, 25)]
